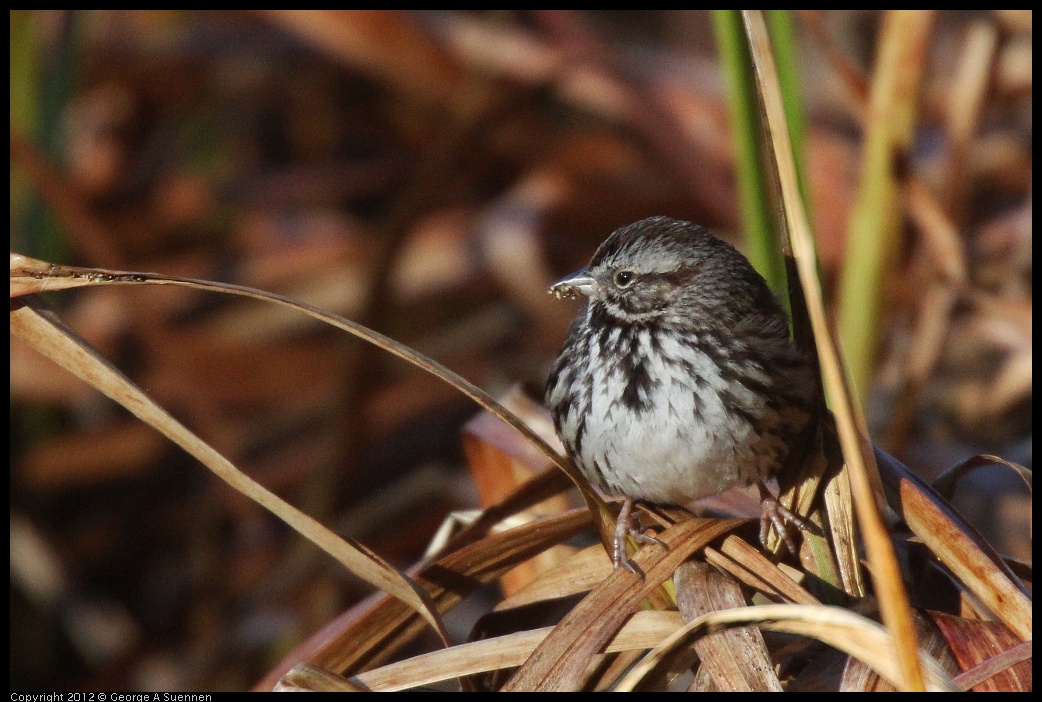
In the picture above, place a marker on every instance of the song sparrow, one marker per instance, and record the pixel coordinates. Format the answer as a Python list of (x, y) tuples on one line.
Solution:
[(678, 379)]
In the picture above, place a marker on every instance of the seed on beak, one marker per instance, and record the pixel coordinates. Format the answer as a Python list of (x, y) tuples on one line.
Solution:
[(578, 283)]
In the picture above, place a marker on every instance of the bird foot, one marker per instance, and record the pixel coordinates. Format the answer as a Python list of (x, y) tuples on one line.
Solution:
[(628, 525), (774, 513)]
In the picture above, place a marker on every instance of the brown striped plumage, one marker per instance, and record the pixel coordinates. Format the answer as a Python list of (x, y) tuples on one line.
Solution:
[(678, 379)]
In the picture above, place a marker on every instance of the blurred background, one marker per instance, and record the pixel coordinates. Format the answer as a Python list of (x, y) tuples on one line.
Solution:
[(429, 174)]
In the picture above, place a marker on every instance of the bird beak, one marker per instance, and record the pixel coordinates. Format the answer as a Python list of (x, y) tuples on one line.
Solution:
[(580, 282)]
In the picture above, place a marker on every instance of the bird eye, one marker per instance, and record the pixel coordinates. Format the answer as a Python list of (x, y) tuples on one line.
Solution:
[(624, 279)]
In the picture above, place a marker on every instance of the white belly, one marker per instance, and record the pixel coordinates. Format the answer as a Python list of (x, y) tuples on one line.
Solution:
[(685, 444)]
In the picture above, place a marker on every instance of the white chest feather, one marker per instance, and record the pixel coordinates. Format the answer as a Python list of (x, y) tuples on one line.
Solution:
[(686, 438)]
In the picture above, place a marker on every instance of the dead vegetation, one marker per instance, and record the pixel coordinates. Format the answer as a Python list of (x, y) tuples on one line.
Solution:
[(427, 176)]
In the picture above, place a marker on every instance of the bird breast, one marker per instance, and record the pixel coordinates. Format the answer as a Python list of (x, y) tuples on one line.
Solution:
[(664, 425)]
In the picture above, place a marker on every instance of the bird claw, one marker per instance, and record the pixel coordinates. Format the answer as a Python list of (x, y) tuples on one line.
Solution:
[(627, 525), (774, 513)]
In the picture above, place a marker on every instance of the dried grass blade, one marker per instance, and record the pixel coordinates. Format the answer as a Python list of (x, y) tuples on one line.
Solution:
[(958, 545), (993, 659), (843, 533), (350, 644), (60, 344), (858, 676), (896, 611), (562, 661), (945, 482), (582, 572), (754, 563), (499, 459), (985, 671), (736, 659), (643, 630), (837, 627), (31, 275), (309, 678)]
